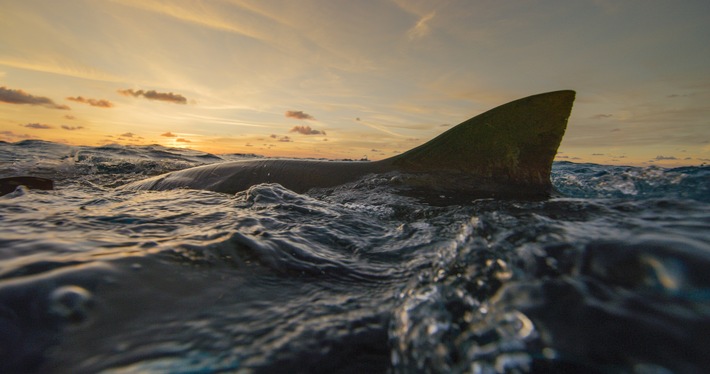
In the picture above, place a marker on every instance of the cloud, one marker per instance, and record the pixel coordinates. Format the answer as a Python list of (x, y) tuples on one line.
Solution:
[(182, 140), (92, 102), (680, 95), (154, 95), (129, 136), (12, 136), (307, 130), (69, 117), (72, 128), (601, 116), (661, 158), (168, 135), (422, 28), (297, 114), (38, 126), (12, 96), (284, 139)]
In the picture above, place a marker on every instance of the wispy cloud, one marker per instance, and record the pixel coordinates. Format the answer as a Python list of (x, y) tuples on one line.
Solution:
[(72, 128), (12, 96), (671, 96), (220, 120), (200, 15), (284, 139), (183, 140), (422, 28), (380, 128), (66, 68), (168, 135), (663, 158), (601, 116), (37, 126), (297, 114), (307, 130), (154, 95), (11, 136), (93, 102), (130, 137)]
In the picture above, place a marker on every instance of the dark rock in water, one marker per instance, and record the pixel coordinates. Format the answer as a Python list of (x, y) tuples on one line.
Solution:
[(8, 185)]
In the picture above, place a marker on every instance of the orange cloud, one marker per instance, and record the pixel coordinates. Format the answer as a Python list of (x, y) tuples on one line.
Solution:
[(12, 96), (38, 126), (72, 128), (12, 136), (307, 130), (92, 102), (664, 158), (284, 139), (154, 95), (168, 135), (297, 114)]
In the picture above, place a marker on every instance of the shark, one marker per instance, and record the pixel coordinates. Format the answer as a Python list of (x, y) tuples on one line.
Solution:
[(505, 152)]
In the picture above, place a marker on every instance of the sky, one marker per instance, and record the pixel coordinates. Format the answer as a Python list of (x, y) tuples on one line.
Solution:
[(354, 79)]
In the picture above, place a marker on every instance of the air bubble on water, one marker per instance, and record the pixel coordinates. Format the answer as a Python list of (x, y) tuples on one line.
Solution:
[(549, 353), (508, 362), (666, 273), (522, 325), (72, 303), (504, 273)]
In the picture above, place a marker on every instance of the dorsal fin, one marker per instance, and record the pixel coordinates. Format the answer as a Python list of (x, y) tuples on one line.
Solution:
[(514, 143)]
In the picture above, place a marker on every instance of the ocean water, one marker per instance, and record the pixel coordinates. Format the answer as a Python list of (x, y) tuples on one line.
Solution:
[(611, 275)]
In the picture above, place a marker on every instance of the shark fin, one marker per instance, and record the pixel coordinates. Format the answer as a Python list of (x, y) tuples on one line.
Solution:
[(512, 145)]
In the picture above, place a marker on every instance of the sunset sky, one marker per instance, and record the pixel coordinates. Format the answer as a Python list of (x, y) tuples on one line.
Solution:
[(347, 79)]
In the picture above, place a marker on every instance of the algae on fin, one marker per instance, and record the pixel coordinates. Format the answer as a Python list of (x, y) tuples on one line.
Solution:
[(512, 144)]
